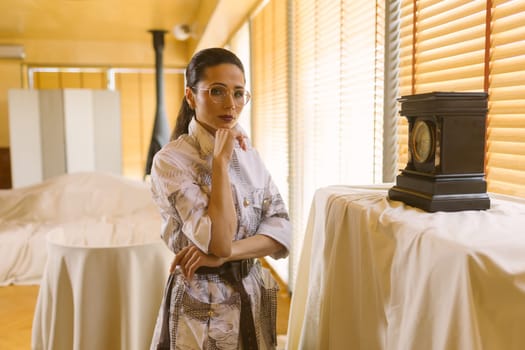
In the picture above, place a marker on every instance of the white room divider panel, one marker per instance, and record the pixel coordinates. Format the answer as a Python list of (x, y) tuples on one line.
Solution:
[(52, 127), (53, 132), (25, 142), (80, 133), (107, 131)]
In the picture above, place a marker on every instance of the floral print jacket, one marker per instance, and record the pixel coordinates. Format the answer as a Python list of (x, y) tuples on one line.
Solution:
[(204, 311)]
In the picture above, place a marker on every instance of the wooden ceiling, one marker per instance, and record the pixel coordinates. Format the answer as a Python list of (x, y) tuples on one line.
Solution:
[(101, 31), (98, 20)]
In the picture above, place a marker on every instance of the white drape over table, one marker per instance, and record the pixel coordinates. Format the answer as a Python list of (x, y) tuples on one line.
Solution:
[(101, 289), (378, 274)]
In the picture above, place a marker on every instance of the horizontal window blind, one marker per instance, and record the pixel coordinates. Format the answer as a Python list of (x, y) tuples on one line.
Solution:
[(442, 49), (303, 22), (317, 81), (337, 98), (506, 123), (446, 46), (269, 71), (270, 103), (450, 41), (406, 65)]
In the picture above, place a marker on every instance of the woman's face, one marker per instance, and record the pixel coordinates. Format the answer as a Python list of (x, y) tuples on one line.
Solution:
[(214, 98)]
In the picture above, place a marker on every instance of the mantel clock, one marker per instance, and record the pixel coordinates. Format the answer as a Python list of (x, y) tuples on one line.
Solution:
[(446, 152)]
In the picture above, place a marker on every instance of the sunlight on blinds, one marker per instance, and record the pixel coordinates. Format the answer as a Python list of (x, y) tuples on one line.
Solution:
[(318, 97), (270, 90), (444, 50), (302, 118), (450, 46), (337, 99), (361, 94), (269, 52), (405, 75), (506, 124), (240, 45)]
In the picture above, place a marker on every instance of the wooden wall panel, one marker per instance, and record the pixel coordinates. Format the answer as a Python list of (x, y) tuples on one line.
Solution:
[(148, 112), (47, 80), (138, 101), (174, 92), (131, 121), (70, 80), (93, 80)]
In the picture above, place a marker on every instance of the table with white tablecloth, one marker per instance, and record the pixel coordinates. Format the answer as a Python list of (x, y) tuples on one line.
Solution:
[(378, 274), (101, 289)]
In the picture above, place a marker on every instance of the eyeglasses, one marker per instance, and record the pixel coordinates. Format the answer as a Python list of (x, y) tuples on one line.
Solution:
[(218, 94)]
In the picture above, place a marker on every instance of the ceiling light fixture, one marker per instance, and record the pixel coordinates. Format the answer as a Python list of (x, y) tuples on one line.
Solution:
[(183, 32)]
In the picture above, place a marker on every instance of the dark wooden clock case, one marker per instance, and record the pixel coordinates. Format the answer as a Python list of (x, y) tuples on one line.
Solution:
[(452, 178)]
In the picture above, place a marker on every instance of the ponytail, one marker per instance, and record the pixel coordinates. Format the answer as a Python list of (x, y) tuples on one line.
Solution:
[(183, 120)]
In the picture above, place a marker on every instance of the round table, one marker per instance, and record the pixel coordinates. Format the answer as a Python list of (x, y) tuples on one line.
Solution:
[(101, 288)]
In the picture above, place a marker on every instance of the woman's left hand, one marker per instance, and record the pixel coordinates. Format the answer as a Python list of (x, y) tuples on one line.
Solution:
[(191, 258)]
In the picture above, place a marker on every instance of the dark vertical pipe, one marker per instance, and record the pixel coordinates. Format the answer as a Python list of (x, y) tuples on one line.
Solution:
[(161, 133)]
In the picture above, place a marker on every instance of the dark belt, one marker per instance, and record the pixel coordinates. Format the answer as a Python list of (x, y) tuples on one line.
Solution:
[(237, 269), (234, 272)]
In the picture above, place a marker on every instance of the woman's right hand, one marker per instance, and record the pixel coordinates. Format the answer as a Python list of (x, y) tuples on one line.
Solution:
[(224, 143)]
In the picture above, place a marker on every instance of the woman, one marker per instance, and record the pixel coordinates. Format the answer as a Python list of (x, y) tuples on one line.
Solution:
[(220, 211)]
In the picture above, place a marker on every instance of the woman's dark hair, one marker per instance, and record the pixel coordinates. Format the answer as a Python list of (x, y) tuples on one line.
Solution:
[(194, 73)]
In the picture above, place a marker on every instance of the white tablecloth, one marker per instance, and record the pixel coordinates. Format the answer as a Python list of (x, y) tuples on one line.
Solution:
[(101, 289), (377, 274)]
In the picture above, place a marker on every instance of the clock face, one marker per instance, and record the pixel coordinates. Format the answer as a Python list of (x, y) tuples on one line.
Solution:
[(422, 141)]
